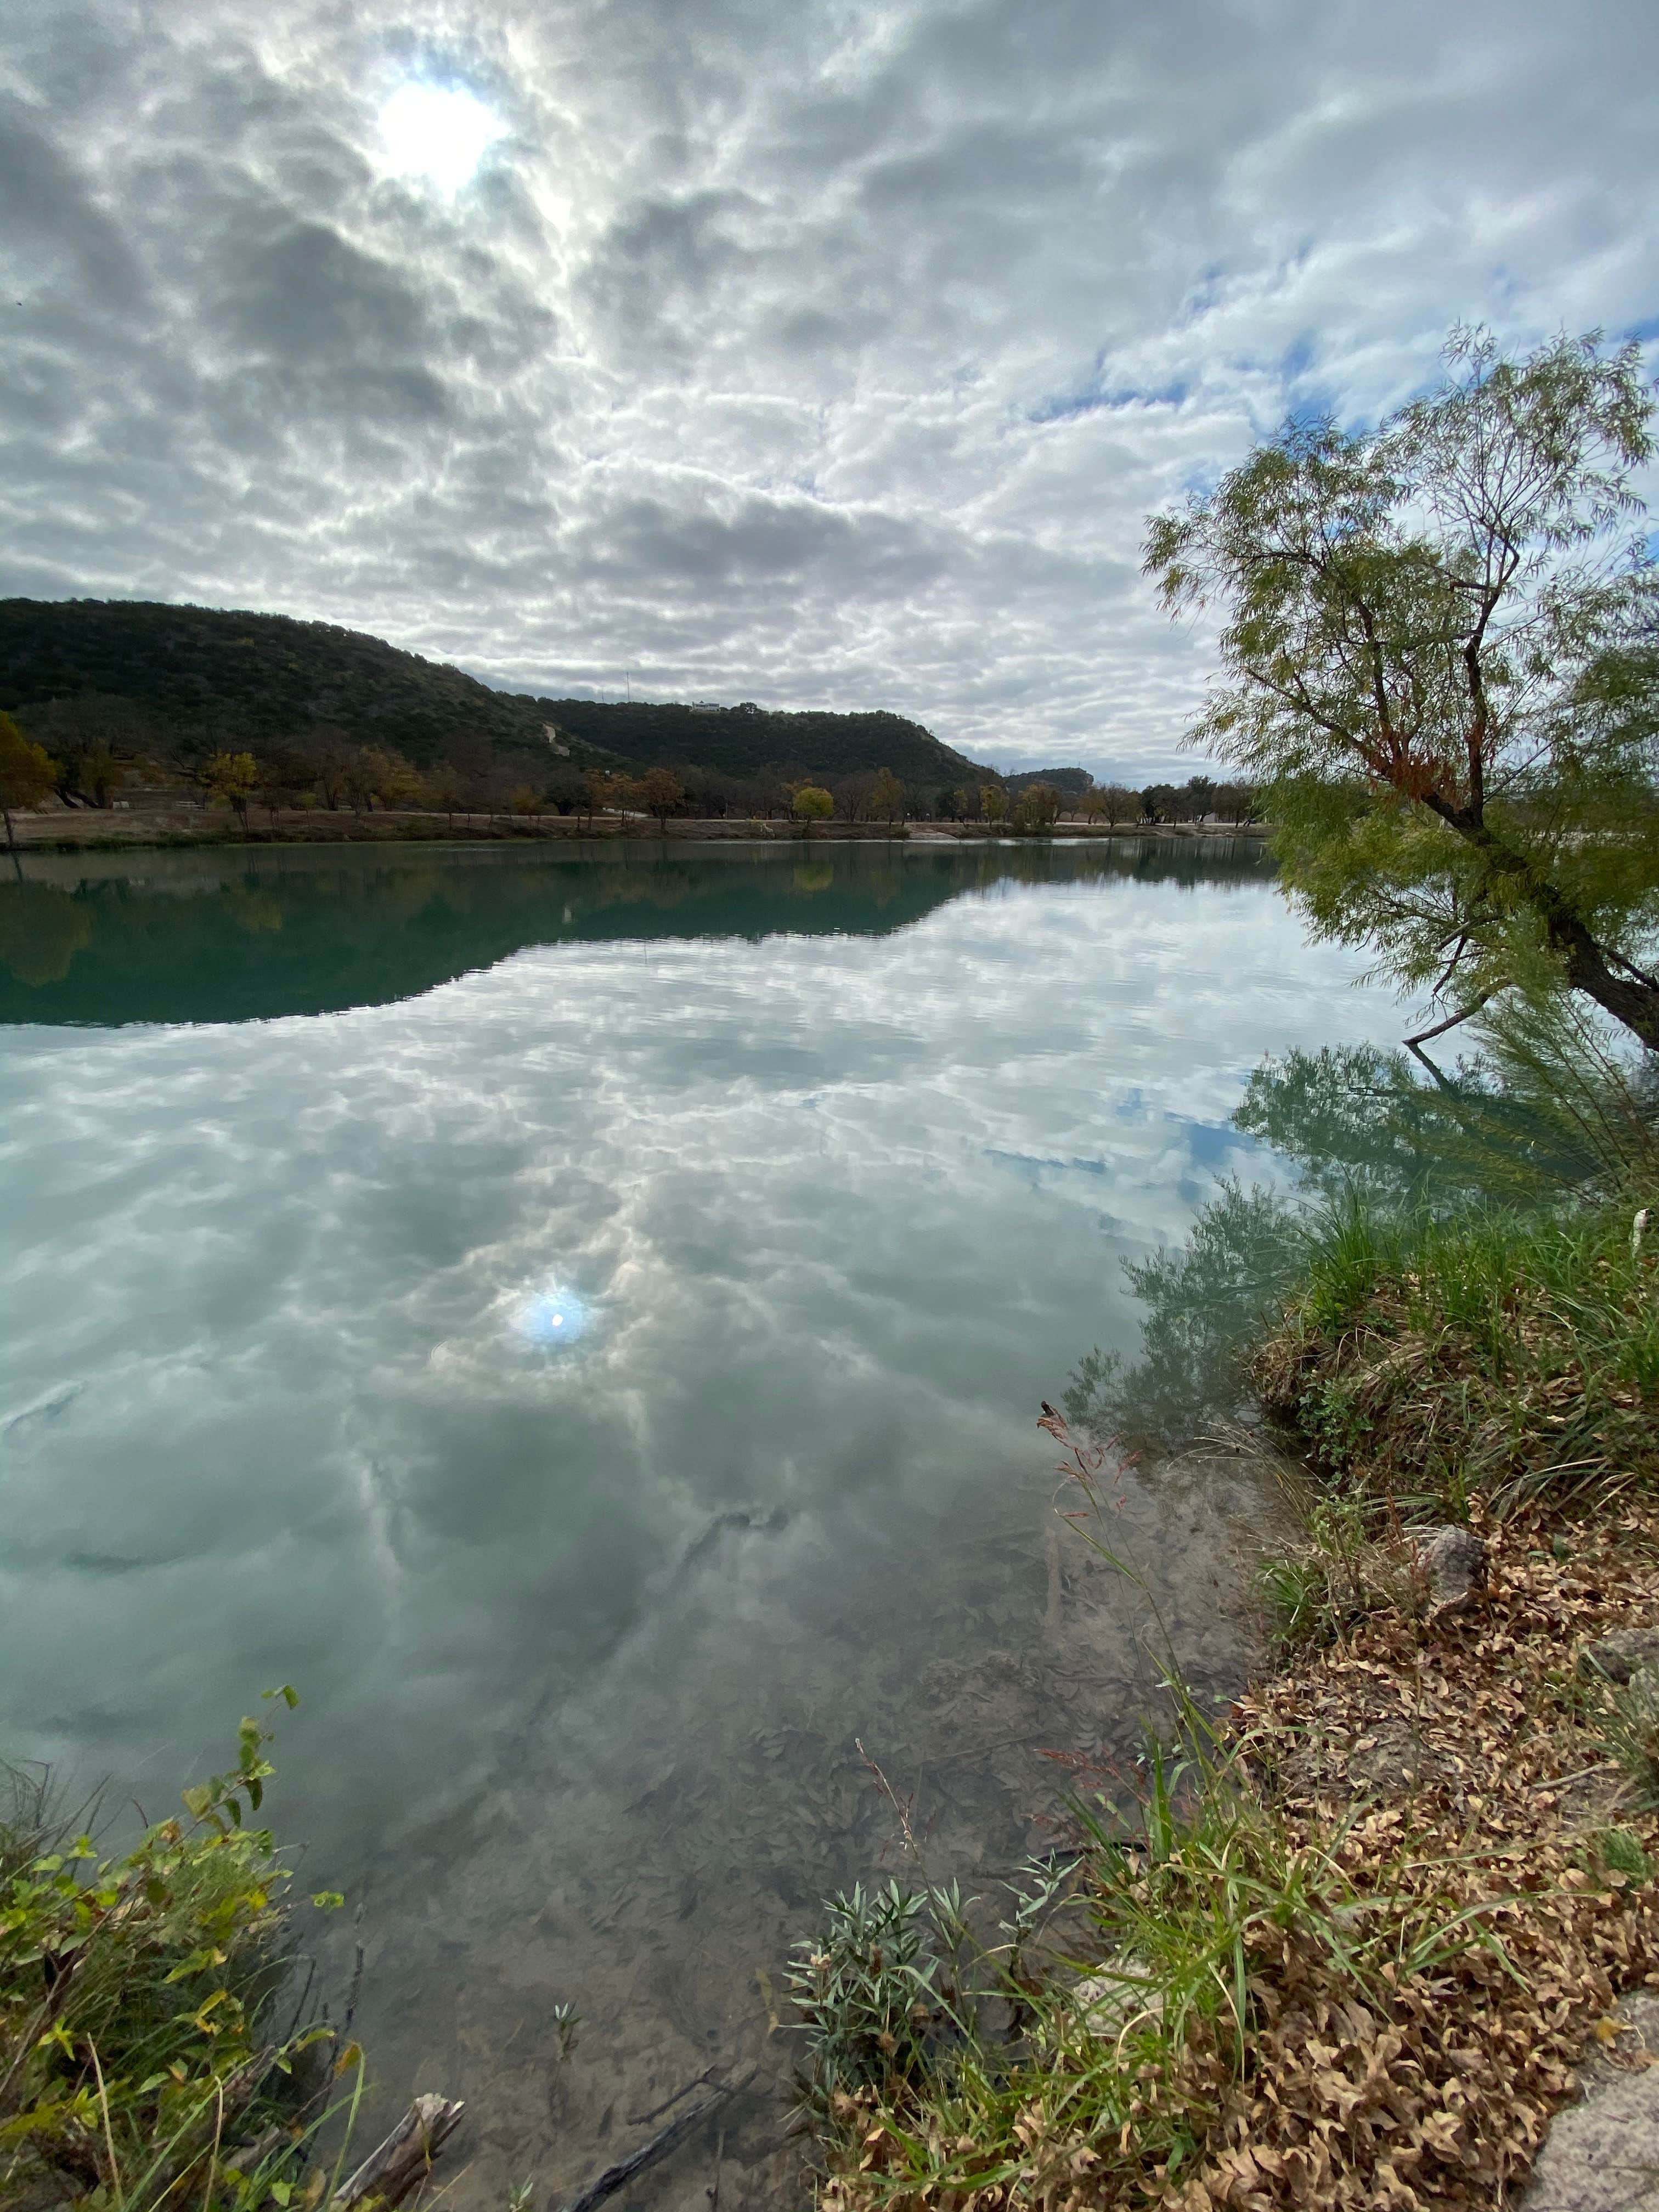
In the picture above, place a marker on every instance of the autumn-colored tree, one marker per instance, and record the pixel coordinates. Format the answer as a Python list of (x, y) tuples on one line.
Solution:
[(660, 793), (993, 803), (445, 790), (28, 774), (1035, 810), (386, 775), (810, 803), (231, 779), (524, 799), (884, 799)]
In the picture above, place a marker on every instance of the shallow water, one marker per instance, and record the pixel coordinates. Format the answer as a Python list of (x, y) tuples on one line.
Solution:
[(581, 1318)]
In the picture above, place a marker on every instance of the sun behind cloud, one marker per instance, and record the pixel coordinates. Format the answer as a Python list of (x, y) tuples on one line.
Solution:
[(439, 132)]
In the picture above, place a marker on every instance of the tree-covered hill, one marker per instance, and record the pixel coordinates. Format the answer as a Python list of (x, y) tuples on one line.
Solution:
[(183, 679), (741, 740), (255, 680)]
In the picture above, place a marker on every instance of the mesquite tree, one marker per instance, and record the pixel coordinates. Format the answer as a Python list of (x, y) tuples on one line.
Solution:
[(1440, 659)]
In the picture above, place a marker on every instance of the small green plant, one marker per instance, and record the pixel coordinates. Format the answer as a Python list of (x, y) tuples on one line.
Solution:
[(868, 1990), (1629, 1736), (1620, 1852), (140, 2061), (566, 2021)]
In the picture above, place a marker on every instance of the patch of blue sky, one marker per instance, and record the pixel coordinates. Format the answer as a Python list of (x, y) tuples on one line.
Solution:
[(1643, 332), (1065, 407), (1033, 1166), (1201, 297), (1213, 1144)]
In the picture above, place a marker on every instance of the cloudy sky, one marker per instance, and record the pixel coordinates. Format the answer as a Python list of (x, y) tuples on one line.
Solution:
[(821, 353)]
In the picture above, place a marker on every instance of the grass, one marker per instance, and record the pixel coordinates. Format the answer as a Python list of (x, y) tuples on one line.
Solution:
[(1497, 1355), (1344, 1949)]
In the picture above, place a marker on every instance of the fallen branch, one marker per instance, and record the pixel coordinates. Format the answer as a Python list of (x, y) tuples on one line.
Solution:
[(698, 2082), (666, 2139), (405, 2159)]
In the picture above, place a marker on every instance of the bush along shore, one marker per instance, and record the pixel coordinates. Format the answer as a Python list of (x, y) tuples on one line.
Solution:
[(153, 2051), (1348, 1945)]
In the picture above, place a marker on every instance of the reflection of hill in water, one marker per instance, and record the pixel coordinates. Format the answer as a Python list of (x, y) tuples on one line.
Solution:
[(225, 936)]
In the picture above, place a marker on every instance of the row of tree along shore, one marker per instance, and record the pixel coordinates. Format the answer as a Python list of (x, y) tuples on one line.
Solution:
[(363, 781), (120, 828)]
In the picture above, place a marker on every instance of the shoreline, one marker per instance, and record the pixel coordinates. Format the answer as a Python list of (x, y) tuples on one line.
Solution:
[(120, 828), (1361, 1939)]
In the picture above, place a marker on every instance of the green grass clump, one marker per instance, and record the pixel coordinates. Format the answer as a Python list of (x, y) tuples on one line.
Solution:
[(1097, 2060), (1496, 1354)]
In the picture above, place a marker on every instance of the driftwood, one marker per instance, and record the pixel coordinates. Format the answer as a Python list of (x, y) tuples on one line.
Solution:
[(405, 2159), (614, 2177)]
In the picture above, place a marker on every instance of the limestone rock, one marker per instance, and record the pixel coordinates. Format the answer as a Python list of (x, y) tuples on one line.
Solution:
[(1452, 1561), (1621, 1657), (1602, 2153)]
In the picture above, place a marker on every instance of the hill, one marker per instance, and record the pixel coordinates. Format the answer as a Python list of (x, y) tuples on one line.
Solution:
[(742, 740), (180, 678), (251, 680)]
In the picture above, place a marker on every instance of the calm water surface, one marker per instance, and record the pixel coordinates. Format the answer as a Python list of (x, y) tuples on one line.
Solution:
[(581, 1318)]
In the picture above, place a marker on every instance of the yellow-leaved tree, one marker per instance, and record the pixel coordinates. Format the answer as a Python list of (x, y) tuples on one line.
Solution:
[(28, 774)]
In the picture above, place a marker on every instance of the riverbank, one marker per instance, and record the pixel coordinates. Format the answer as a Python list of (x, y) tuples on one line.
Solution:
[(87, 830), (1347, 1948)]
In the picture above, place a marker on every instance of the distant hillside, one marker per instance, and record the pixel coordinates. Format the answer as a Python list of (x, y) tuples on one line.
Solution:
[(260, 680), (1073, 782), (740, 740), (264, 681)]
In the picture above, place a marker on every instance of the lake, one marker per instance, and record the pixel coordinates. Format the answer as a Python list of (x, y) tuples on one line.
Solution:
[(581, 1315)]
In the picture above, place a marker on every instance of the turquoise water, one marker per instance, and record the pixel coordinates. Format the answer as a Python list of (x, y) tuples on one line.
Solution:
[(581, 1319)]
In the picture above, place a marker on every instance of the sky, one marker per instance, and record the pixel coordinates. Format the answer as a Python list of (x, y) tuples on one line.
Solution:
[(831, 354)]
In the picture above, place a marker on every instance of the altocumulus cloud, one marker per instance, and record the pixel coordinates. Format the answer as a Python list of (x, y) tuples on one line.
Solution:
[(829, 354)]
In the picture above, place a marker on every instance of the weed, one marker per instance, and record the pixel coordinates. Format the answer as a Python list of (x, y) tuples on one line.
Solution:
[(140, 2057), (1619, 1850), (1629, 1736), (1500, 1355)]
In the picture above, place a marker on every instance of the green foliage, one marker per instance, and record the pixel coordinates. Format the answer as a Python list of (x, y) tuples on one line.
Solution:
[(1629, 1735), (1036, 811), (868, 1990), (1192, 1898), (812, 803), (1441, 664), (232, 779), (747, 741), (1620, 1852), (1311, 1589), (139, 2056), (1496, 1353)]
